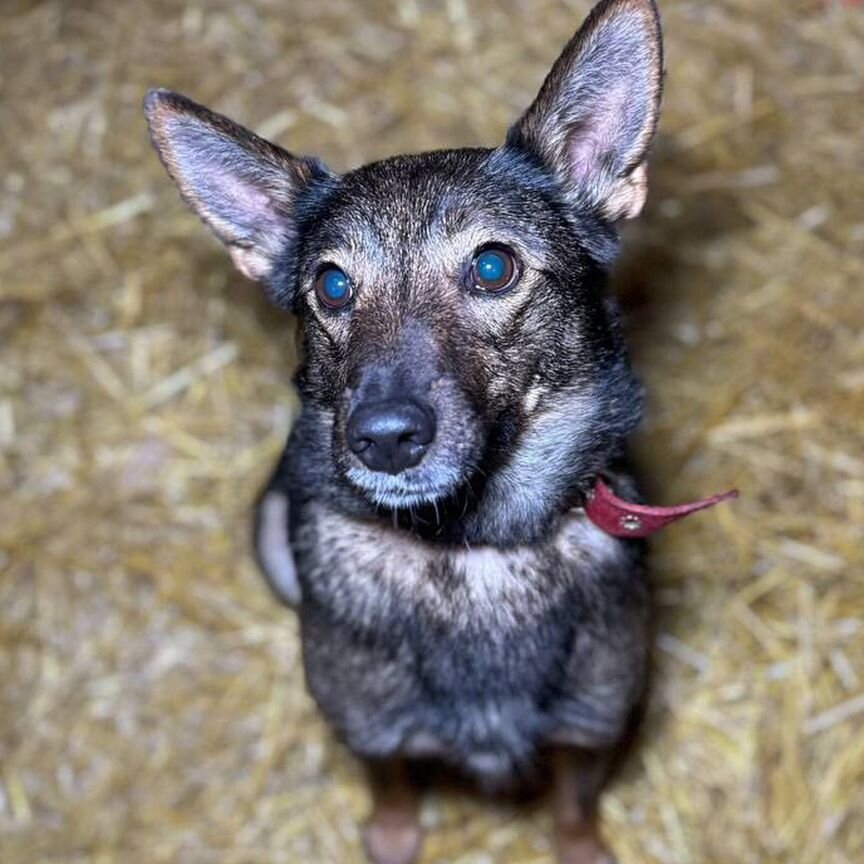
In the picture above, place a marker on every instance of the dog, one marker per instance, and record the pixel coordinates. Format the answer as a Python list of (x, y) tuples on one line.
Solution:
[(464, 382)]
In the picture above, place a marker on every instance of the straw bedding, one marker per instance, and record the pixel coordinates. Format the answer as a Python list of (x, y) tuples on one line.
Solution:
[(151, 699)]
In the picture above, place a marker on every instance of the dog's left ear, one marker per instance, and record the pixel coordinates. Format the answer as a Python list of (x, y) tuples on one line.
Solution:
[(594, 118)]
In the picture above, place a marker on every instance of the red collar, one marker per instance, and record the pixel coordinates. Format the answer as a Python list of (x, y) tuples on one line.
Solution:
[(622, 518)]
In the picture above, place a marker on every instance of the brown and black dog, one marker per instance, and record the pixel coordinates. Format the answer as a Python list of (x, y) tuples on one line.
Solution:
[(464, 382)]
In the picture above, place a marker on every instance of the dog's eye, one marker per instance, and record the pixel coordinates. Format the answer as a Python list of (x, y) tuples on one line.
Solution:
[(333, 288), (494, 269)]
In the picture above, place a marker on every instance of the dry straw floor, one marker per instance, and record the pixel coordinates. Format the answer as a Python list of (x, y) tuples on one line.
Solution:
[(151, 701)]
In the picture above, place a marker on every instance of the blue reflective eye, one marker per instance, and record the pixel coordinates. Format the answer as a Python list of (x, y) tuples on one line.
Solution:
[(333, 287), (491, 266), (493, 269)]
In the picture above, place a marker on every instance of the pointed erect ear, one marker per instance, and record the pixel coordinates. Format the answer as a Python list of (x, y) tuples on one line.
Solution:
[(242, 186), (595, 115)]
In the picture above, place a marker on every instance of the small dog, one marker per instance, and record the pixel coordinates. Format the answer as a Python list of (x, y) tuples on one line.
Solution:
[(464, 383)]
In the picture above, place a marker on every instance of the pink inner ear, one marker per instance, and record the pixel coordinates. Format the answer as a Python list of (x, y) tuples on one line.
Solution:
[(583, 156), (595, 137), (231, 201)]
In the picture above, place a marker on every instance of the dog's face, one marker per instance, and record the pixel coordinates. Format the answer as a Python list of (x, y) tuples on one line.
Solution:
[(441, 295), (449, 301)]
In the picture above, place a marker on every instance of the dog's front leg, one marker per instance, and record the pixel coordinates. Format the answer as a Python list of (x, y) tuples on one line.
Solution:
[(273, 545), (578, 777), (393, 834)]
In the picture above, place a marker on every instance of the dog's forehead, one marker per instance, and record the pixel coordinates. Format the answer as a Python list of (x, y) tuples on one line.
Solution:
[(408, 191), (408, 202)]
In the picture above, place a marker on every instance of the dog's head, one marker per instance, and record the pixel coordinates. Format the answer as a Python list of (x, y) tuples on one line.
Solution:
[(452, 304)]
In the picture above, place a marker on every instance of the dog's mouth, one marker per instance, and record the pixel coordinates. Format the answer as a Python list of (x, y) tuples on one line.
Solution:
[(402, 491)]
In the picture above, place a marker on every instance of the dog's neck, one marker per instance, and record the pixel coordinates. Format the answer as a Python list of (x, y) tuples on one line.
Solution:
[(549, 471), (491, 517), (551, 468)]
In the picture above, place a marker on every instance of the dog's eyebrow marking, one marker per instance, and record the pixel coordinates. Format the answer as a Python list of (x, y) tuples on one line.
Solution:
[(453, 218), (363, 232), (461, 226), (457, 245), (359, 253), (360, 240)]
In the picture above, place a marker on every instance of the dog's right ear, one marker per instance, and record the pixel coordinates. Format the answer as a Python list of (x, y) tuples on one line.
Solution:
[(594, 118), (243, 187)]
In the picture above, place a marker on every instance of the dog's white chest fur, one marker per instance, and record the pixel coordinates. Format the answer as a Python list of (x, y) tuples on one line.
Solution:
[(370, 565)]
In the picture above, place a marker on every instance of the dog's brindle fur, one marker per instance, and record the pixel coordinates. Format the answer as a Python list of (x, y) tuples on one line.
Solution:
[(464, 607)]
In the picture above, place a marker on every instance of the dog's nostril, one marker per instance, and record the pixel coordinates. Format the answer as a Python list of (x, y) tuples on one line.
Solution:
[(415, 436), (390, 436)]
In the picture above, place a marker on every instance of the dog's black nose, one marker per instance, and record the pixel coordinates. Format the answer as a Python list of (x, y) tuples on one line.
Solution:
[(390, 436)]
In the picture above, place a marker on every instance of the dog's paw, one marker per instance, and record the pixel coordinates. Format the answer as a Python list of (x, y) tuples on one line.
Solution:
[(581, 848), (392, 839), (273, 547)]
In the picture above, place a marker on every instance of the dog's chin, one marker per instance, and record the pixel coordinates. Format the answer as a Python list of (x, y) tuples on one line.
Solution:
[(398, 492)]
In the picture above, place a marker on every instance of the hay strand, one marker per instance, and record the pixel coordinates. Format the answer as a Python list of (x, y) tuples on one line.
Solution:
[(151, 698)]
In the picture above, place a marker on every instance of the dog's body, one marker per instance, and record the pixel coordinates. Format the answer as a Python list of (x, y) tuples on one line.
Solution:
[(473, 653), (464, 382)]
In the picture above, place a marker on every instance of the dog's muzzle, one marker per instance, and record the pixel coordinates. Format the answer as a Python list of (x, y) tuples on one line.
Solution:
[(390, 436)]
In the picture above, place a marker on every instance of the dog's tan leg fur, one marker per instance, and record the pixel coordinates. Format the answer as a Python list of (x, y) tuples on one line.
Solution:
[(578, 777), (393, 834)]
